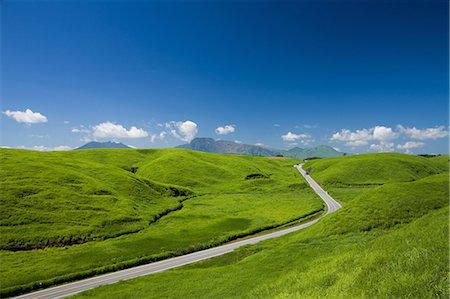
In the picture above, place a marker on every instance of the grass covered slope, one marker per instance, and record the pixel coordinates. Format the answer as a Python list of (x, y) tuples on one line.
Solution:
[(374, 169), (132, 206), (49, 199), (388, 241)]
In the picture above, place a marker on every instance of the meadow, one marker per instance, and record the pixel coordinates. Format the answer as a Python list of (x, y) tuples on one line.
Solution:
[(390, 240), (69, 215)]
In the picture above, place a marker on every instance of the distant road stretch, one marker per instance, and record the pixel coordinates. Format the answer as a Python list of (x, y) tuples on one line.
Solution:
[(332, 205), (90, 283)]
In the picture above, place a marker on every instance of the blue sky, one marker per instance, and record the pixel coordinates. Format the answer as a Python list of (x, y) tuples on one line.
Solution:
[(357, 75)]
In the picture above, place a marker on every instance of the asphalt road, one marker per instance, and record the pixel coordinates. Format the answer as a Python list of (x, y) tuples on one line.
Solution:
[(90, 283), (329, 201)]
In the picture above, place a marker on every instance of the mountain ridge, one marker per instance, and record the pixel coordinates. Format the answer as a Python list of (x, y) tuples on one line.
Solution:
[(107, 144), (210, 145)]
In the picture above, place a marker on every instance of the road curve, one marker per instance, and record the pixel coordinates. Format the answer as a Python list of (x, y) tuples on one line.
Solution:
[(332, 205), (90, 283)]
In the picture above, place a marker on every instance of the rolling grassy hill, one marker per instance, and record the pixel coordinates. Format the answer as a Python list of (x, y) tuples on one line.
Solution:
[(390, 240), (67, 215)]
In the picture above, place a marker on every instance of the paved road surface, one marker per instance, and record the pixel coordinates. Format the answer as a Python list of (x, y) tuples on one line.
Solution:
[(329, 201), (90, 283)]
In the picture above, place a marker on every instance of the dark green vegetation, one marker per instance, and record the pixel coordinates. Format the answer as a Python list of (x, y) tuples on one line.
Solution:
[(68, 215), (390, 240), (210, 145)]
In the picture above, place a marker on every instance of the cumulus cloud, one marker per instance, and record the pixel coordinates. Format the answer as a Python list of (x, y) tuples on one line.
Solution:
[(304, 139), (383, 147), (112, 130), (227, 129), (382, 133), (364, 136), (407, 146), (260, 144), (353, 139), (292, 136), (385, 137), (423, 134), (182, 130), (156, 137), (27, 116), (411, 144)]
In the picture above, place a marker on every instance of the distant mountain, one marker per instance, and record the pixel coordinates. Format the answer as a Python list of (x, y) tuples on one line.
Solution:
[(107, 144), (210, 145)]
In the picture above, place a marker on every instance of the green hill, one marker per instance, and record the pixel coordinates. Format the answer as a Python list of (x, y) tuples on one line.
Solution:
[(374, 169), (73, 214), (390, 240), (57, 199)]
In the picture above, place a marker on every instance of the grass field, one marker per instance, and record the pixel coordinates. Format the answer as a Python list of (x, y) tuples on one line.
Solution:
[(67, 215), (390, 240)]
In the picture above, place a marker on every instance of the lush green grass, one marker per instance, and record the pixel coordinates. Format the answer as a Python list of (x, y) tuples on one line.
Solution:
[(388, 241), (374, 169), (126, 207), (49, 199)]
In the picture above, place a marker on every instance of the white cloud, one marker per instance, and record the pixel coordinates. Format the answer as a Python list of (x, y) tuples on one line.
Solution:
[(227, 129), (383, 133), (423, 134), (364, 136), (66, 122), (156, 137), (353, 139), (260, 144), (112, 130), (292, 136), (81, 130), (238, 141), (276, 125), (304, 139), (410, 145), (382, 147), (185, 131), (357, 143), (27, 116), (42, 148)]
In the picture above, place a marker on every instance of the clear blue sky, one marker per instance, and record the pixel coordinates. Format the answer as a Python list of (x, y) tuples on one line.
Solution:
[(343, 73)]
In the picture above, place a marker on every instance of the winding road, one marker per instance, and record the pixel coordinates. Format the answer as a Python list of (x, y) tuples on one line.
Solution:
[(90, 283)]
